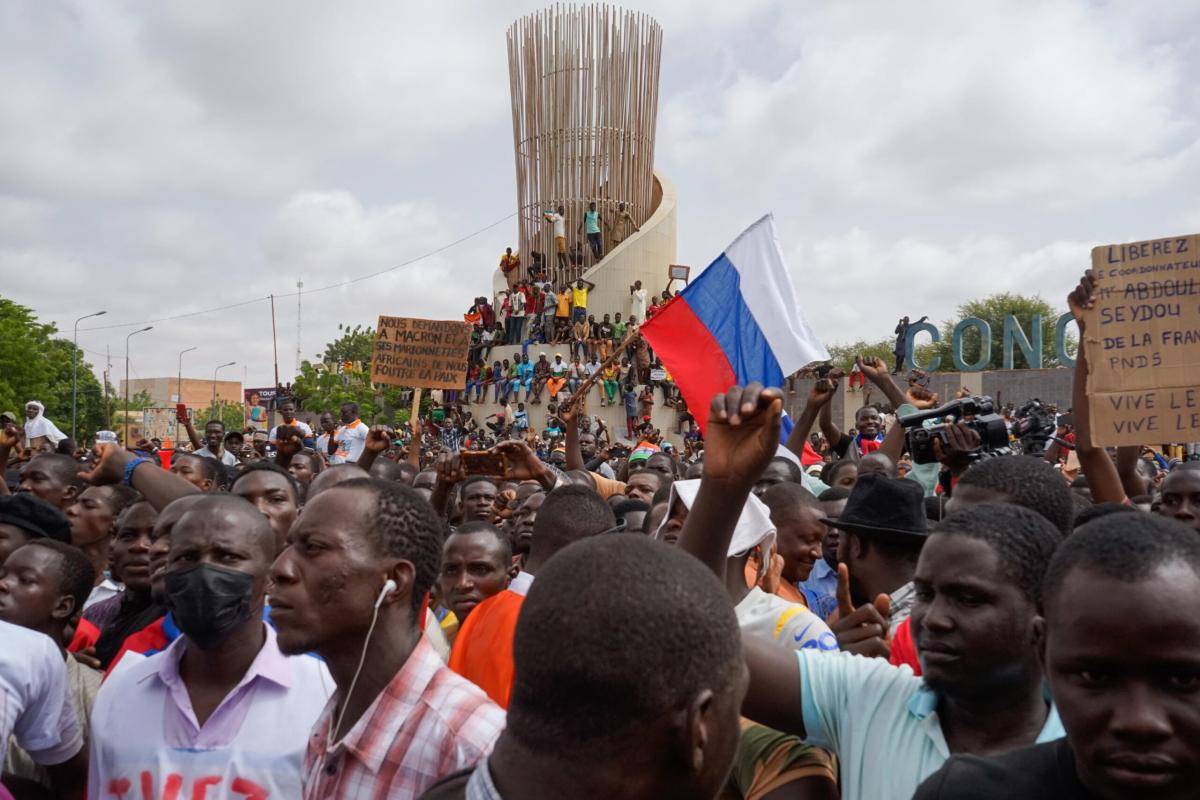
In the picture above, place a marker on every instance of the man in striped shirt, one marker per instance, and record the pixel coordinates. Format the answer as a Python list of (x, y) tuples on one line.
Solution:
[(351, 587)]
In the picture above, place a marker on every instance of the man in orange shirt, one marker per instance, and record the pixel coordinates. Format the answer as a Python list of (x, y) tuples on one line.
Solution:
[(483, 649)]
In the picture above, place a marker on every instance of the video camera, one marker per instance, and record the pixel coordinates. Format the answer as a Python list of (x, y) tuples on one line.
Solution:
[(1033, 424), (976, 412)]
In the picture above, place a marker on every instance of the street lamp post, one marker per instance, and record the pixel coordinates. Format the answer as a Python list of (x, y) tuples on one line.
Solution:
[(179, 380), (179, 387), (214, 384), (75, 364), (125, 441)]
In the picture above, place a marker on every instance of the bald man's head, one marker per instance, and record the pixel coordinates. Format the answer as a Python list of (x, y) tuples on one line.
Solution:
[(332, 476), (225, 517)]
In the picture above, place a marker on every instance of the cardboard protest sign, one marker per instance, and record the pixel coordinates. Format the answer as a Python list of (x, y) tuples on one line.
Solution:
[(423, 353), (160, 423), (1143, 342)]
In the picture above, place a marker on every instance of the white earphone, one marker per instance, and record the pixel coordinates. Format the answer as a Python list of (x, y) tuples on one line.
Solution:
[(388, 588)]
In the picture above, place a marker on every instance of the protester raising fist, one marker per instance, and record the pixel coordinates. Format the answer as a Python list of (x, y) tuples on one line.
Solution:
[(743, 434)]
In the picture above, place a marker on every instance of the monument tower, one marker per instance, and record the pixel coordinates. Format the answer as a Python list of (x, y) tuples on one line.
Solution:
[(584, 84)]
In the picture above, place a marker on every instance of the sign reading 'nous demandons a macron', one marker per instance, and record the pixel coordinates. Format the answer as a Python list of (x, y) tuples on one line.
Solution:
[(1143, 342), (422, 353)]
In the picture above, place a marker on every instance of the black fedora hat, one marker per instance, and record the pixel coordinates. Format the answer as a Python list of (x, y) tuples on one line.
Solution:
[(883, 505)]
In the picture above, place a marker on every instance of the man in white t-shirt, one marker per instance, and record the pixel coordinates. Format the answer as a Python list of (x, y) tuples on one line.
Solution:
[(558, 219), (761, 614), (514, 332), (221, 709), (35, 707), (327, 444), (637, 300), (351, 435), (43, 586), (288, 410)]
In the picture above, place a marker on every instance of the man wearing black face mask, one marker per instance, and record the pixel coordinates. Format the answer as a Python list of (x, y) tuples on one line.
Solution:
[(221, 707)]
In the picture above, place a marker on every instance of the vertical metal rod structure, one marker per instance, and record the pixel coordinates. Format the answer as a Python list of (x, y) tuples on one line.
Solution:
[(125, 440), (299, 309), (584, 84), (75, 365)]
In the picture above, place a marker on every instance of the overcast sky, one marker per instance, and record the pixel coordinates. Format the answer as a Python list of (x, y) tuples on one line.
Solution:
[(168, 157)]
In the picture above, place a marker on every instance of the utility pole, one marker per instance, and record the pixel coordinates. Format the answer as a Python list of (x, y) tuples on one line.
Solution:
[(75, 364), (125, 440), (274, 342), (299, 308), (107, 367)]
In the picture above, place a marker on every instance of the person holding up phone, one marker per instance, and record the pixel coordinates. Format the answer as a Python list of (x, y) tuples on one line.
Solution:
[(213, 445)]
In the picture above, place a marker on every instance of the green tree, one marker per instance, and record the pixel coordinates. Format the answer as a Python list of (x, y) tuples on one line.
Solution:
[(842, 355), (232, 414), (325, 385), (139, 400), (355, 344), (993, 310), (117, 410), (36, 365)]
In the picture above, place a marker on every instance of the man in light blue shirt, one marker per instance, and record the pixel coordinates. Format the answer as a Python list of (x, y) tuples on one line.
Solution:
[(976, 628), (591, 226), (975, 623), (820, 589)]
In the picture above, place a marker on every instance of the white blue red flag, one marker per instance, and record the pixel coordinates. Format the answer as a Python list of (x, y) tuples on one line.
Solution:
[(737, 323)]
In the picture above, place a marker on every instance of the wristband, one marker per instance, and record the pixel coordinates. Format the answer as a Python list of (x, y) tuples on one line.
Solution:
[(130, 467)]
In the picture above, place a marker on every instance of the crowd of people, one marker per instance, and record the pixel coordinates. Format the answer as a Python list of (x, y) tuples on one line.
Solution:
[(604, 231), (470, 609), (608, 354)]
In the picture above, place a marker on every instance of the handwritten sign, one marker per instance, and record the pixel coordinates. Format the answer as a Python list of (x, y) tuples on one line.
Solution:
[(159, 423), (424, 353), (1143, 342)]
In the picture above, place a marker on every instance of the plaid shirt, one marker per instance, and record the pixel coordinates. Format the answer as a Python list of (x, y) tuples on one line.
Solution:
[(427, 723)]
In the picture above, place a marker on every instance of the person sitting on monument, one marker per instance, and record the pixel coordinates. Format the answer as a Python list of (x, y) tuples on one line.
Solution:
[(558, 375), (541, 374)]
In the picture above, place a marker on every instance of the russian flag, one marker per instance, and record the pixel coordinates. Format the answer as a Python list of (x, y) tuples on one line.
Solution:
[(737, 323)]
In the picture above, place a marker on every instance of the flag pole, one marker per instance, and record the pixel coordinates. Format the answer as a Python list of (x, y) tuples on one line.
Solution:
[(590, 381)]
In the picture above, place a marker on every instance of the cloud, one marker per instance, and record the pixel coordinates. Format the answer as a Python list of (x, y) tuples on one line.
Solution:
[(164, 159), (184, 97), (854, 285), (987, 102)]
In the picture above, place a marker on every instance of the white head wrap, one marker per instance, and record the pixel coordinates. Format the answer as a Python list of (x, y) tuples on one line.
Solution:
[(40, 426), (754, 526)]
